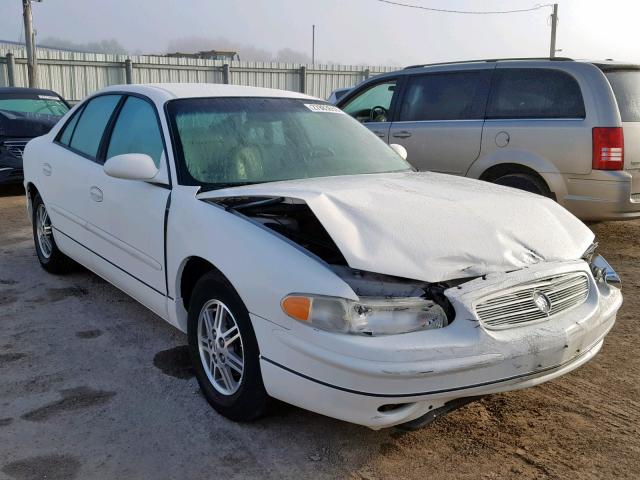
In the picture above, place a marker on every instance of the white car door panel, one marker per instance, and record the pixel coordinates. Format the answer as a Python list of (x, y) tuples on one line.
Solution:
[(128, 227)]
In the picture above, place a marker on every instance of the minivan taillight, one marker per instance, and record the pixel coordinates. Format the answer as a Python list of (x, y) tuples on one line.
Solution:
[(608, 148)]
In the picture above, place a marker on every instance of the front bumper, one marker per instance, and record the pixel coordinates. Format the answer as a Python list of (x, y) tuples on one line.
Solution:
[(603, 195), (383, 381)]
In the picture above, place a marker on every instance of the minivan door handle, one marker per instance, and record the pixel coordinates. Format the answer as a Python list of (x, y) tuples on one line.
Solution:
[(380, 133), (96, 194), (402, 134)]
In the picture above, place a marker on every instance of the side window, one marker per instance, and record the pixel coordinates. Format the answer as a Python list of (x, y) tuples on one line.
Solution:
[(90, 128), (373, 104), (136, 131), (445, 96), (67, 131), (535, 93)]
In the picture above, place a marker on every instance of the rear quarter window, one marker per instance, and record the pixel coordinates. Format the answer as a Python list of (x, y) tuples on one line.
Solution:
[(626, 88), (534, 93)]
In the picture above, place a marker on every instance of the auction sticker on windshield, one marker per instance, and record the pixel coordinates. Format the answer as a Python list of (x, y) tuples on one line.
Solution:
[(319, 107)]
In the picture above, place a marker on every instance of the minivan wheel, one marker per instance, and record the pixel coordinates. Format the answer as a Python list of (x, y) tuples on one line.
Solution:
[(224, 350), (523, 181), (49, 256)]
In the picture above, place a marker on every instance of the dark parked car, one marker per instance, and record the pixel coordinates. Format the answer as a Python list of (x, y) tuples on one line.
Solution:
[(25, 113)]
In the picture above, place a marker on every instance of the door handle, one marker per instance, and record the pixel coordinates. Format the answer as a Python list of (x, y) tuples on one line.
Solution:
[(96, 194), (402, 134), (379, 133), (46, 169)]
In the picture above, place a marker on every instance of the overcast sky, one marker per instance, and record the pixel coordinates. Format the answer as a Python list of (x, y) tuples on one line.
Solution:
[(348, 31)]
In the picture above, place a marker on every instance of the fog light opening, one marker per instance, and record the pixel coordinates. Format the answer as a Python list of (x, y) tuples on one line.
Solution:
[(392, 407)]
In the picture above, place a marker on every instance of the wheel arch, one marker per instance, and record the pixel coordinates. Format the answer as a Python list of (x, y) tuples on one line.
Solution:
[(31, 191), (491, 166), (191, 270), (496, 171)]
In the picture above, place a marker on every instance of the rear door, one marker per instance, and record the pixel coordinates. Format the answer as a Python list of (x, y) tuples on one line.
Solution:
[(66, 170), (373, 104), (625, 83), (439, 119)]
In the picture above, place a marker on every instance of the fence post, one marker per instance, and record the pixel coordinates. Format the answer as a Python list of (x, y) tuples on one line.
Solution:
[(11, 70), (366, 74), (303, 79), (226, 74), (128, 71)]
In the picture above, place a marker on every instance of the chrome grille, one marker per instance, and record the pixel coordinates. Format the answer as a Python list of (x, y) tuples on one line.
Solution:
[(518, 307), (15, 147)]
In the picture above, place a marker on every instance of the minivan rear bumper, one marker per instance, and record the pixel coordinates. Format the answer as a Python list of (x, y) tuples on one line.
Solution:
[(602, 195)]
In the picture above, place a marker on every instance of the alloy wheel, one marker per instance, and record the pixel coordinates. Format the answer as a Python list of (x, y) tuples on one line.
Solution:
[(220, 347), (43, 231)]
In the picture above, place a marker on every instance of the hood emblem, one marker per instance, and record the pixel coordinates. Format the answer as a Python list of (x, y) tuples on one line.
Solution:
[(542, 302)]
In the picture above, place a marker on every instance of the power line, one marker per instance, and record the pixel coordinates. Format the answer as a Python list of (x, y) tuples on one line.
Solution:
[(465, 12)]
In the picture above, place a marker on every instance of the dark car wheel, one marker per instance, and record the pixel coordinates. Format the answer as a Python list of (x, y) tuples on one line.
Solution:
[(50, 257), (523, 181), (224, 350)]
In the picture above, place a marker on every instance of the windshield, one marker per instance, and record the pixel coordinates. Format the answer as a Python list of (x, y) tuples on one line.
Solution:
[(229, 141), (36, 104), (626, 87)]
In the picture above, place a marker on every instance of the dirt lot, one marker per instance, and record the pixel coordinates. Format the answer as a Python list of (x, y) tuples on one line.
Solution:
[(92, 385)]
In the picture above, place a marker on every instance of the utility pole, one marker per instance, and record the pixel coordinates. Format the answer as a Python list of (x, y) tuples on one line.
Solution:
[(30, 41), (313, 45), (554, 24)]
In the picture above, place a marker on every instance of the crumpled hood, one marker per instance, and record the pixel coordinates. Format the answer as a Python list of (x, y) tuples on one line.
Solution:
[(432, 227)]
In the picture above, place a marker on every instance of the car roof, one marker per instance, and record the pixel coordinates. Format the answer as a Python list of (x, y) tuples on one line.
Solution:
[(169, 91), (490, 63), (13, 90)]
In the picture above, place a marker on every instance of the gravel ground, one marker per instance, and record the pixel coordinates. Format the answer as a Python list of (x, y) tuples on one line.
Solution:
[(93, 385)]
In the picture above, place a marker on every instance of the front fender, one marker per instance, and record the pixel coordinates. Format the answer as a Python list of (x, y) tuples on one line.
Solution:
[(262, 267)]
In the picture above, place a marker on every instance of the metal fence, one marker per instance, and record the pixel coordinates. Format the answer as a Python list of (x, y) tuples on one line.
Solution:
[(75, 75)]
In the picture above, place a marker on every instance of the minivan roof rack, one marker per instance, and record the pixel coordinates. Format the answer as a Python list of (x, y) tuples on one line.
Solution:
[(554, 59)]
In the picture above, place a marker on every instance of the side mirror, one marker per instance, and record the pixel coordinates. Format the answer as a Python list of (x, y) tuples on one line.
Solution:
[(399, 149), (131, 166)]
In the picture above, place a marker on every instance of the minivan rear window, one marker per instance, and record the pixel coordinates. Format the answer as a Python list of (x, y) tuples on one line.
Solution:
[(534, 93), (626, 88)]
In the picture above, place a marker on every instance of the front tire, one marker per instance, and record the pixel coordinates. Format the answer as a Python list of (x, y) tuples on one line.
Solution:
[(49, 255), (224, 350)]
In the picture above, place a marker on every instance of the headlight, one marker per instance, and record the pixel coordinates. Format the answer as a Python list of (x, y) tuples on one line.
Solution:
[(603, 272), (369, 315)]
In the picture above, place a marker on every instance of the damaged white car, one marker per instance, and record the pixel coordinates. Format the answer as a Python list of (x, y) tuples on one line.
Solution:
[(307, 261)]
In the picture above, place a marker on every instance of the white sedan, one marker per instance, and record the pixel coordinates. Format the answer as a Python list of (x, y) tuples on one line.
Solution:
[(307, 261)]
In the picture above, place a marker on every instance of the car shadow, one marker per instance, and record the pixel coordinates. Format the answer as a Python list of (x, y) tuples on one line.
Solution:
[(11, 190)]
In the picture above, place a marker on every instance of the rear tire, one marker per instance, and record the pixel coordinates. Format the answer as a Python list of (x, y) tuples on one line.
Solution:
[(49, 255), (224, 350), (523, 181)]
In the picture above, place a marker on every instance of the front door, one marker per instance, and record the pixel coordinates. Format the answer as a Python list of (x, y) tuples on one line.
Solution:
[(127, 216), (372, 106)]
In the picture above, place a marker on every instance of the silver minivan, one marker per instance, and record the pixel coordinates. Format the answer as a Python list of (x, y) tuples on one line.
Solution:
[(566, 129)]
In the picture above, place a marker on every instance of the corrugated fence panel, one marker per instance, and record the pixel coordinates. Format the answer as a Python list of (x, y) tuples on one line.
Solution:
[(76, 74)]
